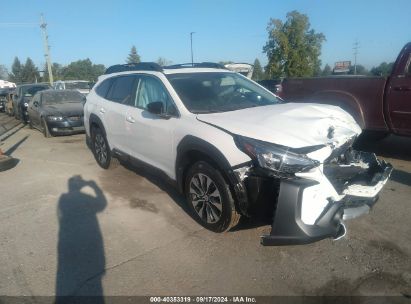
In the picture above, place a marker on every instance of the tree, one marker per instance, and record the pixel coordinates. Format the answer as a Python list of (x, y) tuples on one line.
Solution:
[(29, 72), (258, 73), (384, 69), (361, 70), (293, 48), (16, 68), (82, 70), (133, 57), (4, 74), (326, 71), (163, 61)]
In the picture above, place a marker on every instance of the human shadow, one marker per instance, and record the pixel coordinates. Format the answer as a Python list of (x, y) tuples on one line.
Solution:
[(81, 259)]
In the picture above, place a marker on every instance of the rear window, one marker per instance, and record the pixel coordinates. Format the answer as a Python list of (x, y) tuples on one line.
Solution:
[(122, 89), (103, 88)]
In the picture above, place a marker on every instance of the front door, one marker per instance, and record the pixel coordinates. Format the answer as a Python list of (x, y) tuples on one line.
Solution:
[(150, 136)]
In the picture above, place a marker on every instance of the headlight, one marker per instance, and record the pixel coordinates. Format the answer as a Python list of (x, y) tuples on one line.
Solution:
[(278, 159), (55, 118), (26, 104)]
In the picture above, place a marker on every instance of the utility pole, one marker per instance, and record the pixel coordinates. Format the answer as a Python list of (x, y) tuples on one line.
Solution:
[(191, 40), (43, 26), (355, 48)]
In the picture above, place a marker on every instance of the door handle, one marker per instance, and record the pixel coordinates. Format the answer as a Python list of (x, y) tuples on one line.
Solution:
[(402, 89), (102, 110), (130, 119)]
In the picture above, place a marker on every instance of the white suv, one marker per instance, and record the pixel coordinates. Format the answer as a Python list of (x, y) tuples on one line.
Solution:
[(228, 144)]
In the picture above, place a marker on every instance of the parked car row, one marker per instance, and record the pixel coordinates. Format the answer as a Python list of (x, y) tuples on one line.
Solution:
[(53, 110)]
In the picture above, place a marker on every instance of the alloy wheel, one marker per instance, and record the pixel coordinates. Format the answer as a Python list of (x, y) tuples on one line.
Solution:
[(206, 198), (100, 148)]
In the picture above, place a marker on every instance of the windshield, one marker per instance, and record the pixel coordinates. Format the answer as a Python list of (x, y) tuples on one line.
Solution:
[(31, 91), (219, 92), (54, 97), (81, 85)]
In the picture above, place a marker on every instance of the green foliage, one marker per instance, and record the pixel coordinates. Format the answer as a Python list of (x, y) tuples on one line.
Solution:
[(29, 72), (15, 75), (258, 73), (361, 70), (4, 74), (384, 69), (293, 49), (56, 69), (133, 57), (327, 71), (82, 70)]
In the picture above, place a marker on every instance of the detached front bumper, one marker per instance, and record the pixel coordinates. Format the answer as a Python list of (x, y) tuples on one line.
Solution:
[(297, 220)]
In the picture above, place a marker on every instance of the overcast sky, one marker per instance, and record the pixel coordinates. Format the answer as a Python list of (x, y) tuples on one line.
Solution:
[(104, 31)]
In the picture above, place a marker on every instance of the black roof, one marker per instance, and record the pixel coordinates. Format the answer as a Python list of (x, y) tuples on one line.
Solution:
[(142, 66), (152, 66)]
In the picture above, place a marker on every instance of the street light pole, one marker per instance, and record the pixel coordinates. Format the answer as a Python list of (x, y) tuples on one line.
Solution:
[(191, 41)]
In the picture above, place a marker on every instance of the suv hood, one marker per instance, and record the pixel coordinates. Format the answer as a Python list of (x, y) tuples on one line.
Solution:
[(294, 125)]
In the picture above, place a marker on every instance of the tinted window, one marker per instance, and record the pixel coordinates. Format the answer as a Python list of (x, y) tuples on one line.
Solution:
[(151, 90), (122, 89), (219, 92), (103, 88), (31, 91)]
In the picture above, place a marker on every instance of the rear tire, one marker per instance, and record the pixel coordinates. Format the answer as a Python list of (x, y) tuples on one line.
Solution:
[(101, 150), (209, 198)]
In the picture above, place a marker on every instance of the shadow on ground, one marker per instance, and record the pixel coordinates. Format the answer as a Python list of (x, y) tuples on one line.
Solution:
[(81, 258)]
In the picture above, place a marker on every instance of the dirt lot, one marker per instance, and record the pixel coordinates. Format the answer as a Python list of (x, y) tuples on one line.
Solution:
[(69, 227)]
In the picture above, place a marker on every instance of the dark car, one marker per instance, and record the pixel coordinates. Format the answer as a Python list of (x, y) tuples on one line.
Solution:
[(3, 95), (57, 112), (23, 96)]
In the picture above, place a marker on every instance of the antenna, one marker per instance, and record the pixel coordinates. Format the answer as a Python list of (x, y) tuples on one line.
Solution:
[(355, 48), (43, 26)]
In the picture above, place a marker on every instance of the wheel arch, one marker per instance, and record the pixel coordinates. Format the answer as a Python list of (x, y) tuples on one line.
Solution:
[(192, 149)]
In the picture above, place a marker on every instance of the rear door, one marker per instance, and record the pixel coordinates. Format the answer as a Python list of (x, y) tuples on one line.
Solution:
[(120, 95), (399, 98)]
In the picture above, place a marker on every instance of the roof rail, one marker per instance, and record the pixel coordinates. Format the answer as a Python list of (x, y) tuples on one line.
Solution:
[(141, 66), (212, 65)]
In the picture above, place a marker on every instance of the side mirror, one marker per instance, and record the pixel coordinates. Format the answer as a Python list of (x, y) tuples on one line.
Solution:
[(156, 107), (35, 103)]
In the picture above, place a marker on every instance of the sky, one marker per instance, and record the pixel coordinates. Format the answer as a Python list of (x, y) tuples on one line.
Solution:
[(225, 30)]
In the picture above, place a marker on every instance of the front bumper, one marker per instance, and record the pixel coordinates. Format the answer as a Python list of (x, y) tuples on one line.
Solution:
[(356, 198), (66, 127), (314, 205)]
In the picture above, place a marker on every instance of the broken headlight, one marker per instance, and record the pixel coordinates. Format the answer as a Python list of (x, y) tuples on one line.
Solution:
[(279, 159)]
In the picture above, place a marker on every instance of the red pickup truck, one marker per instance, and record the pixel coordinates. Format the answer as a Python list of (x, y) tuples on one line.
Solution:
[(379, 104)]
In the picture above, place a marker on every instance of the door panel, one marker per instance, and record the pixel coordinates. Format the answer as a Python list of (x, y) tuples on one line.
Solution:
[(150, 137)]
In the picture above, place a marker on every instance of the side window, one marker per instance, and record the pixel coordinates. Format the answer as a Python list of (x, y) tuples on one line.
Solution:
[(122, 89), (151, 89), (103, 88)]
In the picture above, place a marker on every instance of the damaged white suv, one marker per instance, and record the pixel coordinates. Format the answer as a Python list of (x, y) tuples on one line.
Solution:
[(228, 143)]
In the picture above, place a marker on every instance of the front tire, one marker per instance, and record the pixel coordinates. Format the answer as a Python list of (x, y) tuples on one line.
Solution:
[(209, 198), (46, 131), (101, 150)]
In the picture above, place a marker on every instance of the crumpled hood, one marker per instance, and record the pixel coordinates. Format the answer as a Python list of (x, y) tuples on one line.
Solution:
[(64, 109), (294, 125)]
